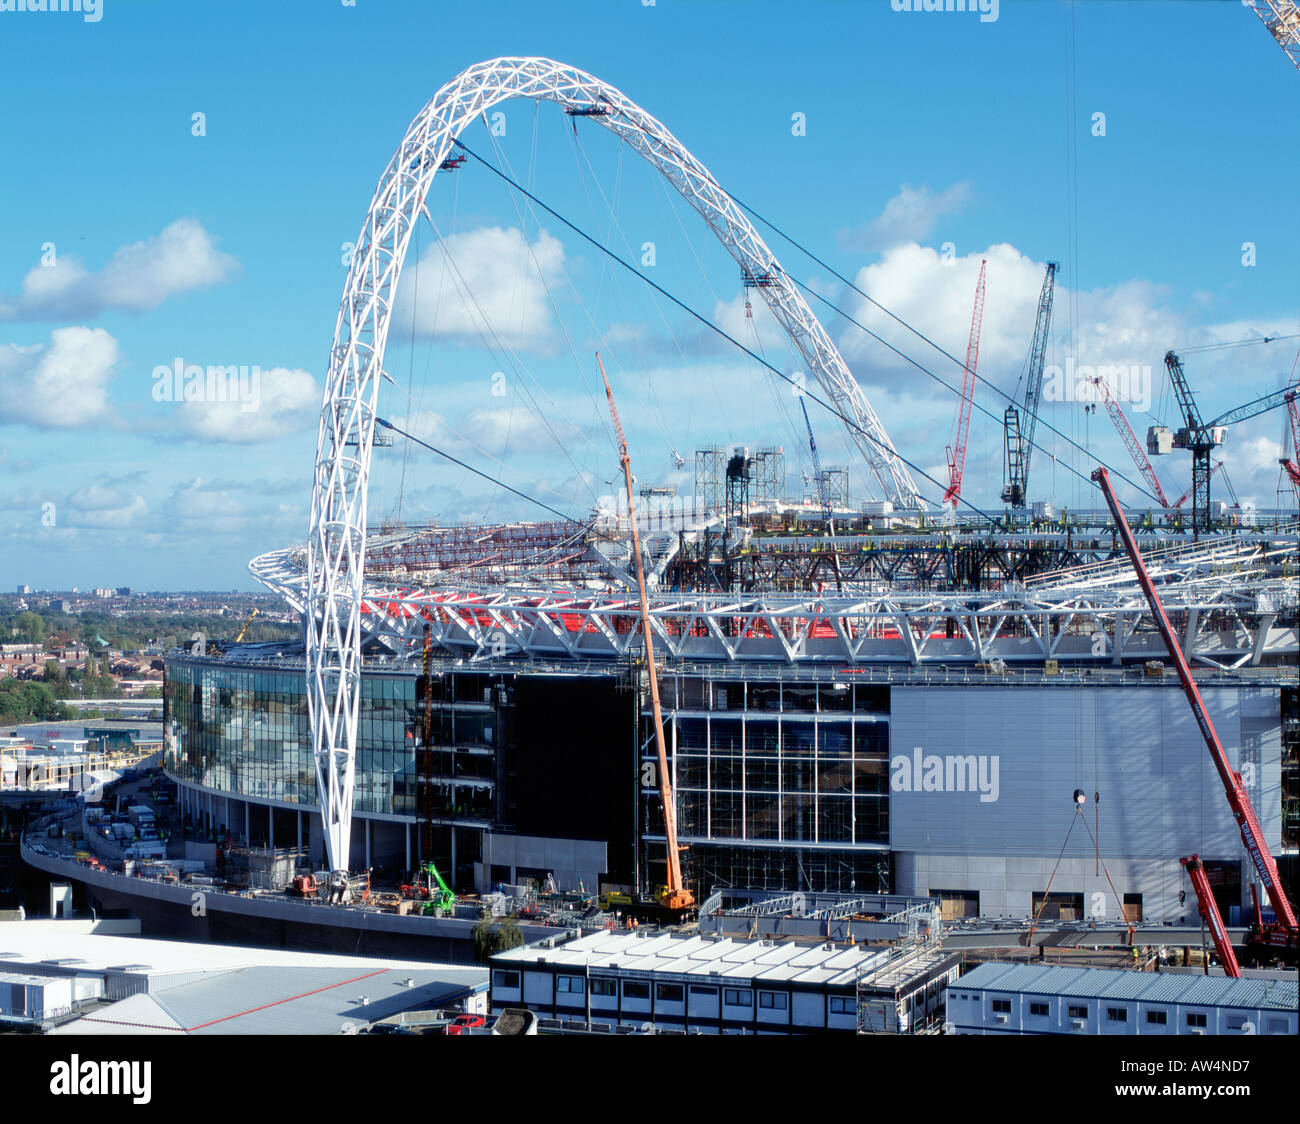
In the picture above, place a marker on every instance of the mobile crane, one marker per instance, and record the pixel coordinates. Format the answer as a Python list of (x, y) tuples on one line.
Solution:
[(1280, 938), (674, 901)]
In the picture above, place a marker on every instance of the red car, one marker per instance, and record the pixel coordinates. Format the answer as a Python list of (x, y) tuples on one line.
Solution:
[(463, 1024)]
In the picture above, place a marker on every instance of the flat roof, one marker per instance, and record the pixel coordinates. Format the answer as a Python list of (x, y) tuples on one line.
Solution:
[(199, 988), (727, 958), (1147, 987)]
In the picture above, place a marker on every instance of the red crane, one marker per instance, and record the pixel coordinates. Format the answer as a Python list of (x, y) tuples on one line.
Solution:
[(1211, 916), (957, 450), (1129, 438), (1283, 935), (1187, 495), (1293, 408)]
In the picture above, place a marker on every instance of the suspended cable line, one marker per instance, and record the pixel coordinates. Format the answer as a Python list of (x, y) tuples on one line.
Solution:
[(720, 331), (925, 339), (477, 472)]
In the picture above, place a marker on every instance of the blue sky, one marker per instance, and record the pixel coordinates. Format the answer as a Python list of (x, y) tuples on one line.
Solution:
[(922, 129)]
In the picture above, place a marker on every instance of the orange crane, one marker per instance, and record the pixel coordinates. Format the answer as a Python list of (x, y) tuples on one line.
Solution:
[(957, 450), (1283, 936), (674, 897)]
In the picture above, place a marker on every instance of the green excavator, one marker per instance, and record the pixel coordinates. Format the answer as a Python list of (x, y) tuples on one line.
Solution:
[(442, 900)]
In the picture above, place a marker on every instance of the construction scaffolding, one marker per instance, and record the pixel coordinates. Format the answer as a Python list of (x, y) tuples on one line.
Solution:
[(424, 553), (710, 473), (767, 475), (835, 481)]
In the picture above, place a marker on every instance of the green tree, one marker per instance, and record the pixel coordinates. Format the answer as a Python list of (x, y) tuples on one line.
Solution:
[(484, 935), (509, 935), (31, 628), (28, 700)]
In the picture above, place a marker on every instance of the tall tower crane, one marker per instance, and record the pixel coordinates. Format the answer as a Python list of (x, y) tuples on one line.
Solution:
[(1195, 435), (1284, 935), (1202, 438), (1129, 438), (1282, 18), (823, 485), (1187, 495), (1020, 432), (674, 896), (957, 450)]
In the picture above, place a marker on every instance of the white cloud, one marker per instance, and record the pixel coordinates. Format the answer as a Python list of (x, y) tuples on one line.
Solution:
[(482, 283), (139, 277), (100, 507), (264, 407), (908, 217), (60, 385), (1124, 324), (196, 506)]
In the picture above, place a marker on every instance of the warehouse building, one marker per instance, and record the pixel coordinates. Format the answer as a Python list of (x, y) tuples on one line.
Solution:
[(1040, 999)]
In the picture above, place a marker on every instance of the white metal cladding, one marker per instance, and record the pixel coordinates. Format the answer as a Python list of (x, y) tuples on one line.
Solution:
[(336, 544), (1140, 749)]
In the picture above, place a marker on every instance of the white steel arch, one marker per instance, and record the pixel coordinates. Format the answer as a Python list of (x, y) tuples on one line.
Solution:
[(337, 534)]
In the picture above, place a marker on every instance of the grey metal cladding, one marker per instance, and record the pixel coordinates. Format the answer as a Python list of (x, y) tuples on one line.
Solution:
[(1139, 747)]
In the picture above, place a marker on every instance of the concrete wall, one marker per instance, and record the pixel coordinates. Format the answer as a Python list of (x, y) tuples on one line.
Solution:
[(570, 860)]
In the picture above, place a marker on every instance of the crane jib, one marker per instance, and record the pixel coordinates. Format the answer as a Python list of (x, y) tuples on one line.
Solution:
[(1238, 798)]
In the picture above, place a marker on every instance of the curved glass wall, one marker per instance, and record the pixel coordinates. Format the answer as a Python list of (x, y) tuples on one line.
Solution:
[(243, 730)]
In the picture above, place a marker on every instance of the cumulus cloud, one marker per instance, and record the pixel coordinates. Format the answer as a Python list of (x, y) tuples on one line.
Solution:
[(139, 277), (235, 405), (210, 507), (100, 507), (482, 283), (1121, 325), (62, 384), (908, 217)]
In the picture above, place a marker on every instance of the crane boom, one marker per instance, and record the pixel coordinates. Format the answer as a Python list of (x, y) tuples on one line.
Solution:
[(1288, 396), (1209, 910), (957, 450), (823, 487), (1020, 437), (1238, 799), (1129, 438), (675, 895)]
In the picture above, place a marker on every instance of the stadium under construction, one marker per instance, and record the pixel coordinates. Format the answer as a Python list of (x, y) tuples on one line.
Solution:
[(887, 696)]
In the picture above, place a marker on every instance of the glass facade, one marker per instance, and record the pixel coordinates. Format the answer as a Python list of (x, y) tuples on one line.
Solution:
[(243, 730), (784, 767), (779, 784)]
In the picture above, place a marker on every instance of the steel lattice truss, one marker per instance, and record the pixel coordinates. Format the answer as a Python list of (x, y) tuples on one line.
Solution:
[(1282, 18), (1233, 605), (336, 543)]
